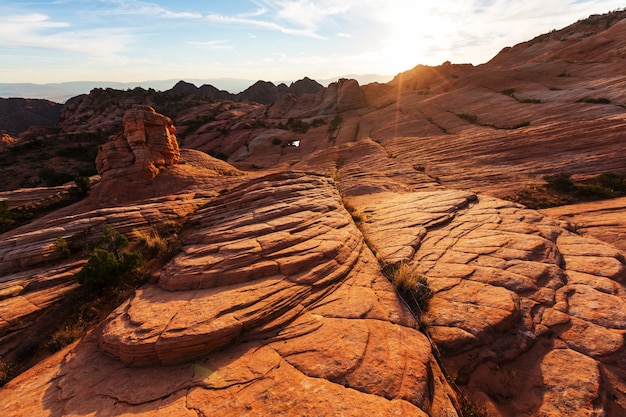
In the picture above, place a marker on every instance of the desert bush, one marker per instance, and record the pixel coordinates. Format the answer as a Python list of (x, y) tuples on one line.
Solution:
[(297, 125), (5, 372), (67, 335), (468, 408), (593, 192), (62, 247), (356, 215), (531, 100), (507, 91), (522, 124), (591, 100), (82, 186), (277, 142), (611, 181), (160, 242), (560, 182), (472, 118), (7, 219), (412, 286), (109, 263)]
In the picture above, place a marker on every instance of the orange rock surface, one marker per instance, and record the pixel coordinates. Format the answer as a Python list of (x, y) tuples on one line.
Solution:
[(277, 302)]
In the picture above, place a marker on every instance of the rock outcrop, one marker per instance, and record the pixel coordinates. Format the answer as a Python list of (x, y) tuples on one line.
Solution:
[(280, 301), (18, 114), (147, 144)]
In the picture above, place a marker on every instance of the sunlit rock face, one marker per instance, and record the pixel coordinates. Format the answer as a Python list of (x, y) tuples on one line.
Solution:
[(147, 144)]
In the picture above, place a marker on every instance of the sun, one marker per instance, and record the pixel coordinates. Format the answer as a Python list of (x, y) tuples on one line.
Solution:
[(415, 33)]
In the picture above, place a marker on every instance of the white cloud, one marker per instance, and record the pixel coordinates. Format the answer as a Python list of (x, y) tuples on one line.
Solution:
[(261, 24), (136, 7), (37, 31)]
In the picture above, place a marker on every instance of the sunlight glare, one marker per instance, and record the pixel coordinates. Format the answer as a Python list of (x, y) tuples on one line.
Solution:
[(415, 31)]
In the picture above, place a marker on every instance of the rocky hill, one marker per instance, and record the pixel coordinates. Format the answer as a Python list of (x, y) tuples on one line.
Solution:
[(263, 92), (18, 114), (342, 252)]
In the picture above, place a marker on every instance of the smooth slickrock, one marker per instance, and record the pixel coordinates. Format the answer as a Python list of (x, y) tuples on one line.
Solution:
[(274, 305), (508, 282), (277, 302), (603, 220)]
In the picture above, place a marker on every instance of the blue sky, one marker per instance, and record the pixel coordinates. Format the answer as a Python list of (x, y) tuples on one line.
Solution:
[(132, 40)]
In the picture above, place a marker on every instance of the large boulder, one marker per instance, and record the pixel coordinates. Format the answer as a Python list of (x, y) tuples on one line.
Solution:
[(147, 144)]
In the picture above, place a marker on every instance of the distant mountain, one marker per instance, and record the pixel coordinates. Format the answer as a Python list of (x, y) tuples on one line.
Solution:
[(263, 92), (18, 114), (61, 92)]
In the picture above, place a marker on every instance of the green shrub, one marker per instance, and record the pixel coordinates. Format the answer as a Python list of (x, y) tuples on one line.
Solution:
[(7, 218), (109, 263), (105, 269), (611, 181), (560, 182), (591, 100), (82, 186), (62, 247), (593, 192)]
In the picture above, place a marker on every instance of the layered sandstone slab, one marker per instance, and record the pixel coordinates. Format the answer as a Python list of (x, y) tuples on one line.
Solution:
[(519, 301), (274, 305)]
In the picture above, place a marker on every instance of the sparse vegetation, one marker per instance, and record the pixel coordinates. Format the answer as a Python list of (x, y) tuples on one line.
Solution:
[(110, 262), (12, 218), (297, 125), (522, 124), (468, 117), (356, 215), (159, 242), (468, 408), (531, 100), (277, 142), (507, 91), (62, 247), (411, 285), (591, 100), (560, 189), (5, 372)]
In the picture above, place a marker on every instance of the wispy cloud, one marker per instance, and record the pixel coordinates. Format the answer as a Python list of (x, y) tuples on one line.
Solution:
[(136, 7), (260, 24), (38, 31)]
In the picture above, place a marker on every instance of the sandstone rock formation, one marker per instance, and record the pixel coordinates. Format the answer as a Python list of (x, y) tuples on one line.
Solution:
[(148, 142), (5, 141), (277, 302)]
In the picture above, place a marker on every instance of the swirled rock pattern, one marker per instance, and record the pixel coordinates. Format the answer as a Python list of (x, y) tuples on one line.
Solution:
[(274, 305), (516, 297)]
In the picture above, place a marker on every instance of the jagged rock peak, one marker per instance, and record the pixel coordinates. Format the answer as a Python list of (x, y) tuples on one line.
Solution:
[(147, 144)]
